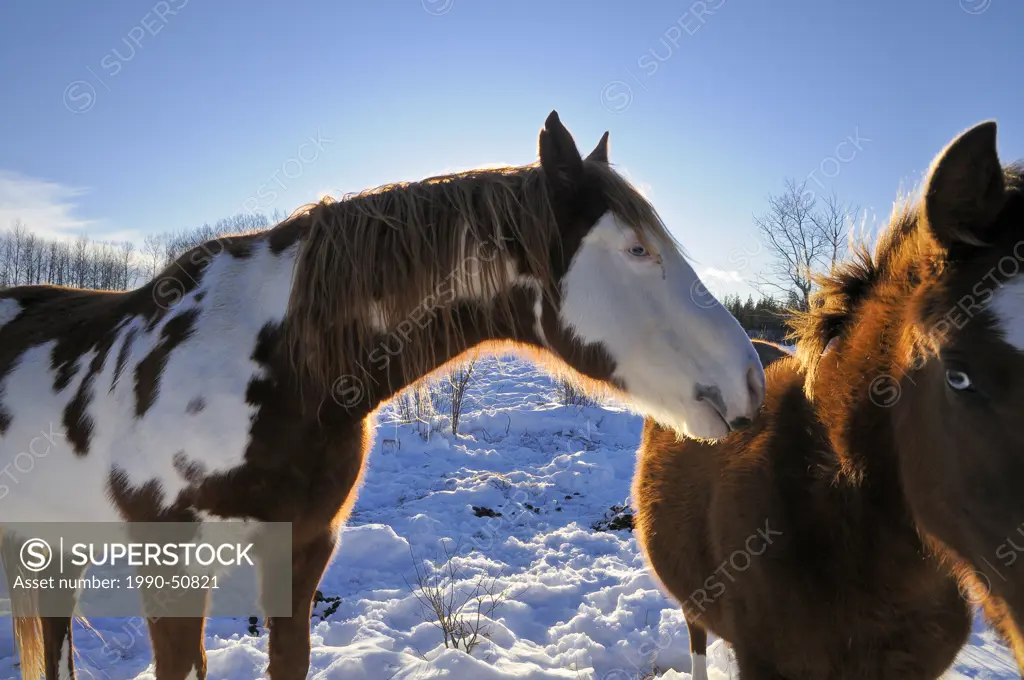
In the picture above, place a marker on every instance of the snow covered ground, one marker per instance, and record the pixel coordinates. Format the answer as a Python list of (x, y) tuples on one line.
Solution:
[(514, 498)]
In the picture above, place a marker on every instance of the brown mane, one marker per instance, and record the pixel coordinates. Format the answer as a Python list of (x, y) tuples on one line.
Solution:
[(841, 291), (463, 233), (899, 253)]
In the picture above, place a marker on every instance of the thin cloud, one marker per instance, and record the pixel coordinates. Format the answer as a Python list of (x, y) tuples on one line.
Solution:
[(48, 209), (727, 275)]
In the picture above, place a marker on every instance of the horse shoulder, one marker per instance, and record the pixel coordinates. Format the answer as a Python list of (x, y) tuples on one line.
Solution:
[(672, 492), (698, 503)]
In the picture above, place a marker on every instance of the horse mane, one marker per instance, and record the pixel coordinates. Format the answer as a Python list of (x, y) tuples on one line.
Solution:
[(841, 291), (900, 252), (406, 250)]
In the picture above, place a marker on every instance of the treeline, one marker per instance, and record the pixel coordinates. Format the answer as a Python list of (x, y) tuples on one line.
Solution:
[(763, 318), (160, 250), (27, 258)]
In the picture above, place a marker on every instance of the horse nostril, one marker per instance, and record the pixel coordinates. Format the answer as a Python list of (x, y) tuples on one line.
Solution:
[(741, 423), (713, 395)]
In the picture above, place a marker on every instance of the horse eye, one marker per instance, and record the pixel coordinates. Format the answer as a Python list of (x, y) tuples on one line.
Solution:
[(958, 380), (637, 251)]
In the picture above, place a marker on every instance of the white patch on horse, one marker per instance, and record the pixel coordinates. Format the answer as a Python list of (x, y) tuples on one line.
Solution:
[(538, 306), (9, 308), (64, 664), (698, 667), (1008, 307), (42, 481)]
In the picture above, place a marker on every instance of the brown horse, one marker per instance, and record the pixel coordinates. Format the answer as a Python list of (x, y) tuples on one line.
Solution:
[(954, 378), (907, 422), (240, 383), (774, 544)]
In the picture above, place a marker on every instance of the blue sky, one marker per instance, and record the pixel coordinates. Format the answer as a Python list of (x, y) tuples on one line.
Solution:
[(130, 117)]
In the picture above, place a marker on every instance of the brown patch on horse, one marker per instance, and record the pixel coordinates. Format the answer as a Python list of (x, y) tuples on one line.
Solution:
[(288, 233), (5, 415), (149, 371), (77, 423), (63, 374), (595, 366), (147, 502), (190, 470), (122, 356)]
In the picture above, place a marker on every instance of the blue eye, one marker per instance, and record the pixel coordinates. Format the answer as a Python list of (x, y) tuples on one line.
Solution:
[(637, 251), (958, 380)]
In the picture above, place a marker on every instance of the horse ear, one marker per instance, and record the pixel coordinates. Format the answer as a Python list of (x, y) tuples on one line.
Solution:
[(558, 155), (600, 152), (965, 189)]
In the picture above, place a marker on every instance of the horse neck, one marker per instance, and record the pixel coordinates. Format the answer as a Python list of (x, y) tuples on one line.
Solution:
[(857, 388), (410, 351)]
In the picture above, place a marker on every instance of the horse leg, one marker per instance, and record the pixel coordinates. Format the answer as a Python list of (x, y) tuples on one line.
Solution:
[(698, 651), (178, 652), (289, 635), (58, 647)]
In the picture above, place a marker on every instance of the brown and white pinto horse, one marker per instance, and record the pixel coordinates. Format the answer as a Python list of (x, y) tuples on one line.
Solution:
[(240, 382), (875, 464)]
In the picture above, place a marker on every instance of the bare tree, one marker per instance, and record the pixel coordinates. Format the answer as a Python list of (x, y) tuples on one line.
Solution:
[(802, 236), (126, 261), (29, 245), (571, 394), (16, 239), (415, 405), (461, 609), (80, 262), (153, 255), (458, 382), (833, 219)]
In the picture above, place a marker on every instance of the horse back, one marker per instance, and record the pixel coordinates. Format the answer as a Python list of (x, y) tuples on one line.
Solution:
[(39, 311), (768, 352)]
